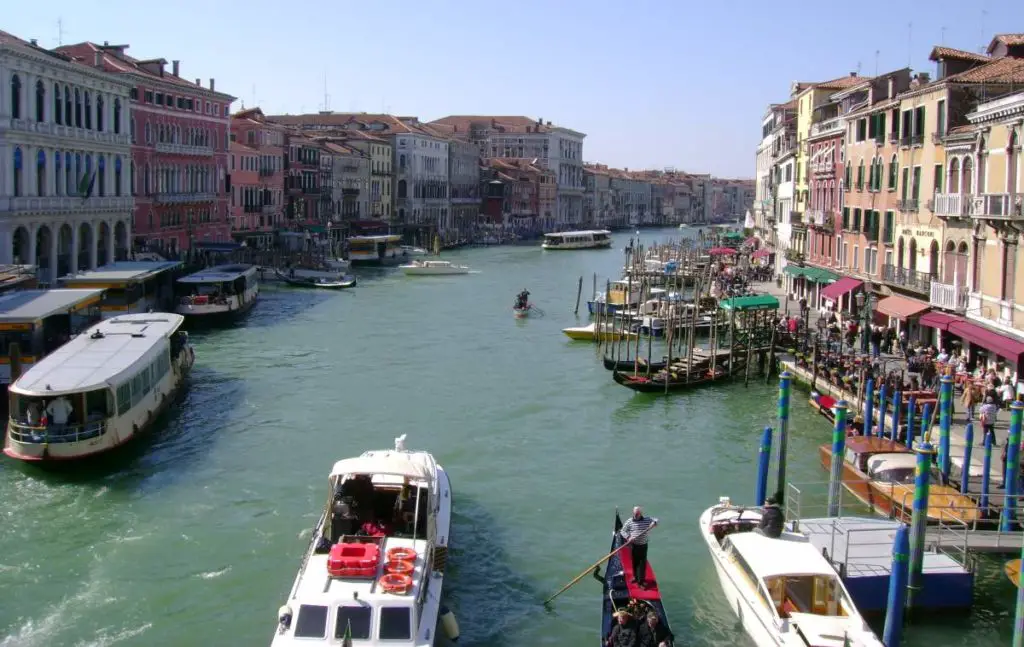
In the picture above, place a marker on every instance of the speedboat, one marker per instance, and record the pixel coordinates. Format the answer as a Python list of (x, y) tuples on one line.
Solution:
[(433, 268), (607, 332), (373, 571), (409, 250), (341, 283), (784, 592)]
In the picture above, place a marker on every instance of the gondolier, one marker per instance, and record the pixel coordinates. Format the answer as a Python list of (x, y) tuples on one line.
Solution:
[(636, 531)]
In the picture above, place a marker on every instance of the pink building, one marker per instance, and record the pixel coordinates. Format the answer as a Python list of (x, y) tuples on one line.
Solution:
[(179, 131), (246, 202), (254, 135)]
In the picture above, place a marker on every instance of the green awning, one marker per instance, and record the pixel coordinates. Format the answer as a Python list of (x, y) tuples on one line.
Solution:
[(818, 275), (733, 234), (795, 270), (756, 302), (316, 229)]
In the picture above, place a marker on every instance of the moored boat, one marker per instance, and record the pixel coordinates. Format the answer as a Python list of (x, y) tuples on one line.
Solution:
[(629, 364), (218, 292), (622, 594), (591, 332), (784, 592), (590, 239), (374, 568), (521, 313), (321, 283), (330, 269), (880, 473), (621, 295), (100, 390), (383, 249), (433, 268)]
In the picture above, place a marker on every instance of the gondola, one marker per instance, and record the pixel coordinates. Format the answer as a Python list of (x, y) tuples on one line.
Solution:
[(628, 365), (620, 593), (323, 284), (521, 313), (656, 383)]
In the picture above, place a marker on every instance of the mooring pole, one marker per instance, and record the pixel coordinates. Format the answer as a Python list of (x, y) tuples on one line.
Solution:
[(893, 632), (835, 479), (785, 387), (764, 460), (945, 422), (919, 520), (868, 405), (1012, 483), (965, 472)]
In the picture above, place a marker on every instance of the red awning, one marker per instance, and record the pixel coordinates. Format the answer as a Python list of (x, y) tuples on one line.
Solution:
[(840, 287), (761, 253), (721, 251), (901, 307), (938, 320), (999, 343), (751, 241)]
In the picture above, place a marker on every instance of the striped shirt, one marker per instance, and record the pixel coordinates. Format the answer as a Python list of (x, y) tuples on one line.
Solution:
[(634, 528)]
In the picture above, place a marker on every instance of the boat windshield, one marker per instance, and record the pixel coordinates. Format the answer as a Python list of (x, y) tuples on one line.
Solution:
[(819, 595), (901, 475), (65, 418)]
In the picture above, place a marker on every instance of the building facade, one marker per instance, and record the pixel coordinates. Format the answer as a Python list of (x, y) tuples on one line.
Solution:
[(464, 179), (246, 202), (303, 174), (65, 157), (179, 131), (251, 128)]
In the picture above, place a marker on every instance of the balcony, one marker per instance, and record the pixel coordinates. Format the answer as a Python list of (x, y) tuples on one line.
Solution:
[(182, 149), (948, 296), (907, 279), (382, 172), (311, 190), (268, 209), (66, 204), (266, 171), (912, 140), (833, 125), (65, 132), (997, 206), (951, 205), (784, 147), (185, 197), (795, 256), (907, 205)]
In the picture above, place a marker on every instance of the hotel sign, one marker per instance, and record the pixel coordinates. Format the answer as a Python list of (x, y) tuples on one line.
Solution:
[(920, 233)]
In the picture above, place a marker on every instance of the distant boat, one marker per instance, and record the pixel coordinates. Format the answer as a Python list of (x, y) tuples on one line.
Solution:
[(433, 268), (590, 332), (323, 284), (218, 292), (596, 239)]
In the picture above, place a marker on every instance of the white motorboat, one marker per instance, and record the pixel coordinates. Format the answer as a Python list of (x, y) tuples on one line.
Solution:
[(409, 250), (221, 291), (784, 592), (330, 269), (433, 268), (595, 239), (375, 565)]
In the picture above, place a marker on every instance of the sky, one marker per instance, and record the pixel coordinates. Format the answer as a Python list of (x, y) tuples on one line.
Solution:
[(653, 84)]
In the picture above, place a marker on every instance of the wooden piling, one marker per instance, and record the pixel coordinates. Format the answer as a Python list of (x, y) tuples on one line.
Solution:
[(579, 293)]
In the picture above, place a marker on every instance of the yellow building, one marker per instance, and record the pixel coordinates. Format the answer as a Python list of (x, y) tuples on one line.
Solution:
[(379, 150)]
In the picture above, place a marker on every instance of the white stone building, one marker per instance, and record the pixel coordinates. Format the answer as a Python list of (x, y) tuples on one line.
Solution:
[(421, 178), (65, 158)]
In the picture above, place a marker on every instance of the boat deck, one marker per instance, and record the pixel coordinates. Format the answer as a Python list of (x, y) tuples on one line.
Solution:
[(316, 585), (861, 548)]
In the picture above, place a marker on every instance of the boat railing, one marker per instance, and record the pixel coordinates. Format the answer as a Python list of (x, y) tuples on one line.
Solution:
[(54, 433)]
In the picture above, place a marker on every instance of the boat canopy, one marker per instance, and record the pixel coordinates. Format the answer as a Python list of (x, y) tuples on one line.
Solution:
[(790, 555), (388, 463)]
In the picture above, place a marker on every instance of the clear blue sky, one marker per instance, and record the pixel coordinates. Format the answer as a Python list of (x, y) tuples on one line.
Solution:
[(651, 83)]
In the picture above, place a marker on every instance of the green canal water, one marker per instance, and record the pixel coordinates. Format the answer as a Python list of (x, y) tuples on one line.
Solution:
[(194, 538)]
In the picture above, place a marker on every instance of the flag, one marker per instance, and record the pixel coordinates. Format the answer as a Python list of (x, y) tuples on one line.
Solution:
[(346, 640), (86, 184)]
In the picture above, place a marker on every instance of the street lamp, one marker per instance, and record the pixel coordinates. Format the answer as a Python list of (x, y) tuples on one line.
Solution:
[(865, 303)]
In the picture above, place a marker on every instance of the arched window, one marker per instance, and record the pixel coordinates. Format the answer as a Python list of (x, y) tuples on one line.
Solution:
[(101, 176), (99, 112), (58, 174), (58, 106), (953, 176), (40, 102), (88, 110), (78, 108), (148, 132), (894, 170), (145, 179), (860, 175), (17, 173), (69, 181), (68, 115), (117, 119), (967, 176), (131, 177), (41, 173), (15, 97)]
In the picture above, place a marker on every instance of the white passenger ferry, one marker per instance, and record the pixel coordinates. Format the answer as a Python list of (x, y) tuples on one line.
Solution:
[(100, 390), (221, 291), (596, 239), (375, 565)]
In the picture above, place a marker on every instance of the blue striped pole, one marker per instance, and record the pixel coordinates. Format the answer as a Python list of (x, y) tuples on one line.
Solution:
[(1012, 483), (911, 410), (897, 588), (835, 479), (919, 519), (883, 402), (869, 405), (897, 406), (785, 387), (926, 427), (986, 468), (945, 422), (764, 459), (965, 473)]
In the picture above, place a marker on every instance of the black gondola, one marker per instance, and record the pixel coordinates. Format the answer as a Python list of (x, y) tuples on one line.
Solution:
[(323, 284), (619, 594), (656, 383), (629, 365)]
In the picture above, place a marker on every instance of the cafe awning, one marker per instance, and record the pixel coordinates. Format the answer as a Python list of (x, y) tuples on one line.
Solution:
[(795, 270), (840, 287), (818, 275), (721, 251), (938, 320), (761, 253), (901, 307), (999, 343)]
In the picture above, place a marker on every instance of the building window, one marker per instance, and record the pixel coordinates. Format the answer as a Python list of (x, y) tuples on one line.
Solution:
[(15, 97), (40, 102), (99, 112), (78, 108), (117, 175), (1009, 270), (101, 179), (69, 181), (131, 177), (117, 119), (57, 184), (40, 174), (68, 115), (17, 188), (88, 111), (57, 112)]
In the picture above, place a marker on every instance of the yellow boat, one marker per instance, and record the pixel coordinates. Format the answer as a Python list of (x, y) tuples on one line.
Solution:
[(591, 333)]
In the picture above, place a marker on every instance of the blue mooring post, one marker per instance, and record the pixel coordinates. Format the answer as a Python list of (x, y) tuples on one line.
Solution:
[(911, 410), (868, 405), (764, 459), (785, 386), (893, 632), (1012, 482), (919, 520), (835, 479), (945, 422), (986, 467), (965, 472), (897, 405), (883, 402), (926, 418)]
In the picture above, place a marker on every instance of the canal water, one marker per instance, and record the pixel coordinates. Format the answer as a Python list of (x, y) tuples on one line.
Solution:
[(195, 536)]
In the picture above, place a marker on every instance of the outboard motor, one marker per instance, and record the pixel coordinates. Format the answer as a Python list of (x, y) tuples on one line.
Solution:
[(284, 618)]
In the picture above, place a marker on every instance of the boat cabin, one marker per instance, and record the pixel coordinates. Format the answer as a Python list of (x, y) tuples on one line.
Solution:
[(370, 249), (130, 286), (860, 450), (216, 284), (620, 294), (578, 239), (34, 323)]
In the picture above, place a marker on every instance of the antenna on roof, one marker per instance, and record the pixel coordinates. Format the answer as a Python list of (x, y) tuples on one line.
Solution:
[(942, 36), (910, 40), (984, 15), (877, 52), (327, 97), (60, 32), (858, 68)]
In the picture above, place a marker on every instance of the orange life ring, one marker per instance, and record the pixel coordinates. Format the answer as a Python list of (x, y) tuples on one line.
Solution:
[(397, 583), (401, 554), (400, 566)]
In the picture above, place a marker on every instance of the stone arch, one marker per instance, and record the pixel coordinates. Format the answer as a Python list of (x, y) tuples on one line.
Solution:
[(103, 244), (900, 252), (933, 258), (953, 176), (21, 248), (85, 259), (120, 241), (44, 241), (65, 236), (912, 255)]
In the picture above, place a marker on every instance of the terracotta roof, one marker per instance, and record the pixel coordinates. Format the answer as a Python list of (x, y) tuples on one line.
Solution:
[(510, 124), (350, 121), (1010, 40), (842, 82), (1000, 70), (940, 52)]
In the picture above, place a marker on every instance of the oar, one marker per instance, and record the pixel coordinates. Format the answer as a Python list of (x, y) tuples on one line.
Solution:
[(596, 564), (539, 311)]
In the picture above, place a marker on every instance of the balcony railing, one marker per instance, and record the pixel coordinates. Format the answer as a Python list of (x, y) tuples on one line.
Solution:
[(908, 205), (66, 204), (997, 206), (948, 296), (181, 198), (951, 205), (68, 132), (907, 279), (266, 171), (53, 434), (268, 209), (835, 124), (182, 149)]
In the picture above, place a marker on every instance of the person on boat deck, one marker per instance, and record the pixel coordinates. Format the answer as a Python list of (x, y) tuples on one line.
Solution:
[(771, 519), (33, 414), (636, 532), (653, 634), (59, 410), (623, 633)]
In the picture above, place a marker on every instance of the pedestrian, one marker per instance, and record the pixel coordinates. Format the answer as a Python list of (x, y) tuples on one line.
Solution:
[(969, 399), (635, 533), (623, 633), (988, 419)]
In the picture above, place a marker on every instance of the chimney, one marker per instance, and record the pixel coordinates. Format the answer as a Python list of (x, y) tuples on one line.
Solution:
[(106, 43), (924, 77), (853, 74), (97, 58), (34, 42), (175, 66), (211, 85), (892, 87), (199, 82)]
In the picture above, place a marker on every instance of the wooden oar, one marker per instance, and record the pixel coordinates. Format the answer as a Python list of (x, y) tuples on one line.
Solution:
[(1012, 570), (597, 564)]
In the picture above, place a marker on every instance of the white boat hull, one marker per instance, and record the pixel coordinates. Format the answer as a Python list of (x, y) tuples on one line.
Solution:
[(600, 244), (433, 271), (234, 305), (298, 273)]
